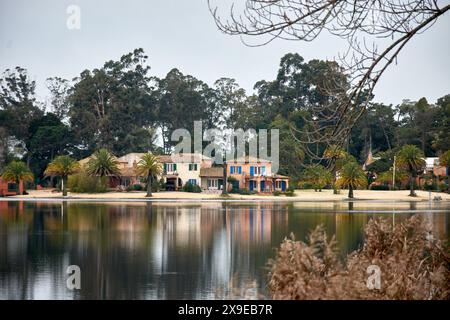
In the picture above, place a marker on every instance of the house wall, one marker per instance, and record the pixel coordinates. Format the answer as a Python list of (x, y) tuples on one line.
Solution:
[(246, 171), (185, 174)]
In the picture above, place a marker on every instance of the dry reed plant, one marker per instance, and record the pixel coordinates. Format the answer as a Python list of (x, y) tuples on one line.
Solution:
[(413, 265)]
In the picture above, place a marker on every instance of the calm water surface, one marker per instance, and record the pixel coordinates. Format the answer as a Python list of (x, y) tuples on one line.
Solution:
[(163, 250)]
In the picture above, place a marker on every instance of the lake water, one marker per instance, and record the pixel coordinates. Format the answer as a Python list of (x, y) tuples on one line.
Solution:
[(170, 250)]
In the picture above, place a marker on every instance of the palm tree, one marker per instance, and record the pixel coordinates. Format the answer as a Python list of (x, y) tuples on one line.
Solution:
[(17, 171), (103, 163), (352, 176), (62, 166), (412, 160), (444, 160), (334, 153), (149, 167)]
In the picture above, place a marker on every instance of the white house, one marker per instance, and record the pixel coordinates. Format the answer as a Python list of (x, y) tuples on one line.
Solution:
[(181, 169)]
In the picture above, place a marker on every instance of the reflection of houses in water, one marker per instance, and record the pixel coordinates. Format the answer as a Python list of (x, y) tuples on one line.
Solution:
[(250, 224)]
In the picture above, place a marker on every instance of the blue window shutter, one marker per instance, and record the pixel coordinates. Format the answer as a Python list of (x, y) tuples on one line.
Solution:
[(239, 169), (174, 167), (252, 170), (231, 169)]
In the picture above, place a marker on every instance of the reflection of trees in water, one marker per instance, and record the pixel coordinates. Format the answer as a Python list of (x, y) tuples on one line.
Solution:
[(155, 250)]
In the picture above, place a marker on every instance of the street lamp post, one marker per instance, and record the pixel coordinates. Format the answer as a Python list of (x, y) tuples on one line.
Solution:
[(393, 175)]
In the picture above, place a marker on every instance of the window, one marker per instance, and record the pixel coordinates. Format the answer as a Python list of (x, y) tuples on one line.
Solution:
[(193, 181), (235, 169), (170, 167), (213, 183), (192, 167), (257, 170)]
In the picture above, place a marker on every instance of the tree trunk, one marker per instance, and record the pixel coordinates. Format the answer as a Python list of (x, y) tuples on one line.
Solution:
[(64, 184), (334, 182), (149, 186), (224, 186), (350, 191), (411, 186), (448, 179)]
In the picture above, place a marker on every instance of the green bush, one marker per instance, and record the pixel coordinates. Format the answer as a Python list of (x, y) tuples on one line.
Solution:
[(443, 186), (83, 183), (305, 185), (189, 187), (430, 186), (379, 187), (289, 192), (244, 191), (135, 187), (276, 193)]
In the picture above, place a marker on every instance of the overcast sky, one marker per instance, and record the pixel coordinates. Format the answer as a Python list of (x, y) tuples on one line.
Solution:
[(182, 34)]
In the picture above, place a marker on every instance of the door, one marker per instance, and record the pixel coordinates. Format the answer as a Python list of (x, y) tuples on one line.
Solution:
[(283, 186), (252, 185), (263, 186)]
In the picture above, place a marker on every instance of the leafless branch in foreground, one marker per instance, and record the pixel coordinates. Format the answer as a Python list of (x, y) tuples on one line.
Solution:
[(376, 32)]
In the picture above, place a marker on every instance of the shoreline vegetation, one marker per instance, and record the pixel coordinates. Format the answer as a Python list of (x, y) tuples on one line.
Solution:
[(299, 195)]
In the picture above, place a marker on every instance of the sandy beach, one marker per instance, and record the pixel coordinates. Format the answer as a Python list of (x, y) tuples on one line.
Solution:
[(300, 195)]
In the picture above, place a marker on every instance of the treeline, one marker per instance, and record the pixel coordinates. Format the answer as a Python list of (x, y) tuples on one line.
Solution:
[(121, 107)]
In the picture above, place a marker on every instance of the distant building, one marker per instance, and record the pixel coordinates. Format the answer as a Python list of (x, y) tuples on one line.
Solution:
[(8, 188), (255, 174), (211, 178), (432, 166)]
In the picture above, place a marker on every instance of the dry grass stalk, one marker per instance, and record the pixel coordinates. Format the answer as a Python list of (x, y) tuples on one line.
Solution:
[(413, 265)]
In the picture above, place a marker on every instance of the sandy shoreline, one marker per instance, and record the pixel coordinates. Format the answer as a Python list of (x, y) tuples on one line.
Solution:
[(300, 195)]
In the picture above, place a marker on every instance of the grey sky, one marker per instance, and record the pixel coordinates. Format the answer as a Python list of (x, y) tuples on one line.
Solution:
[(182, 34)]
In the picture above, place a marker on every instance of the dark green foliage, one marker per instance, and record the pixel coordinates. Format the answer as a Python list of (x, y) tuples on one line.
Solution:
[(189, 187), (379, 187), (120, 106), (84, 183)]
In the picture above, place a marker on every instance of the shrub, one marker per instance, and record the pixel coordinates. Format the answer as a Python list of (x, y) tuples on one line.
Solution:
[(83, 183), (305, 185), (276, 193), (189, 187), (430, 186), (379, 187), (442, 187), (413, 265), (135, 187), (290, 192), (244, 191)]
